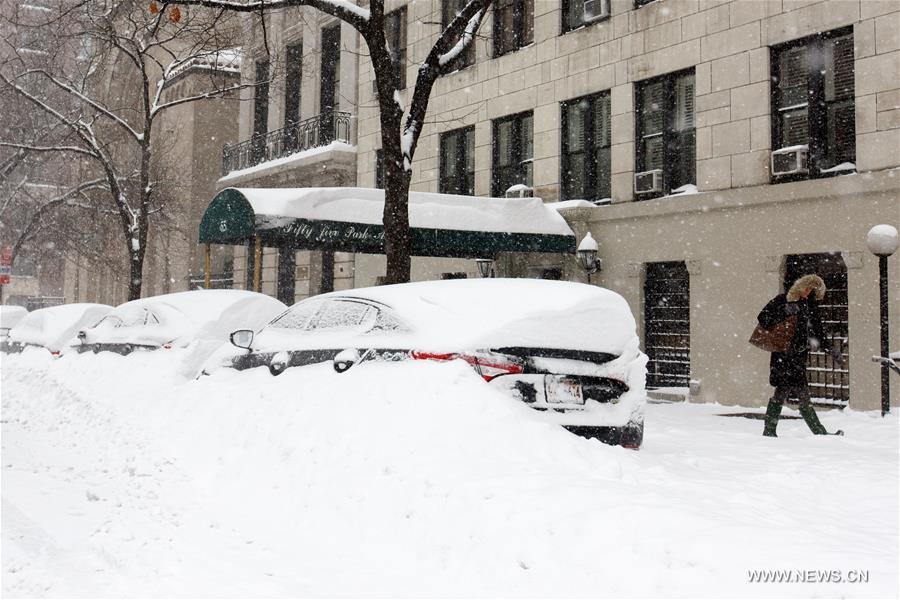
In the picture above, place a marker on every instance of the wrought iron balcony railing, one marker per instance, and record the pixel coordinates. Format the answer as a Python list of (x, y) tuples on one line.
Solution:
[(309, 133)]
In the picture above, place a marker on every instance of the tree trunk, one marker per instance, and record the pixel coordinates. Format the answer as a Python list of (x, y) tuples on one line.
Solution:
[(397, 244)]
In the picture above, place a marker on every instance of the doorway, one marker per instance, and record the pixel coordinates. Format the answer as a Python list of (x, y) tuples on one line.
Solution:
[(667, 326)]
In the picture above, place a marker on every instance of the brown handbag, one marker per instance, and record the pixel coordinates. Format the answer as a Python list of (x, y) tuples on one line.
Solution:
[(777, 338)]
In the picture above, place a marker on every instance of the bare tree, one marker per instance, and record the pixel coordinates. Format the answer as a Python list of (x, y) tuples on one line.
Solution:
[(398, 138), (128, 57)]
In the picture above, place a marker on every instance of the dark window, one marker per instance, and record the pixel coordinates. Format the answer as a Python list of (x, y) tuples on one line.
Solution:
[(395, 33), (812, 101), (639, 3), (586, 148), (513, 25), (667, 335), (458, 162), (292, 85), (665, 130), (330, 82), (513, 152), (573, 14), (379, 169), (260, 111), (449, 10)]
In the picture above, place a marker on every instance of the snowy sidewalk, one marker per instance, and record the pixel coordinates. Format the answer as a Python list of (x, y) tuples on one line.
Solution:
[(121, 479)]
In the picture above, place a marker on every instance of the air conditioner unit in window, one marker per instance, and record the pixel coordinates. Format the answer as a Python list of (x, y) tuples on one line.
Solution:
[(648, 182), (519, 191), (790, 161), (595, 10)]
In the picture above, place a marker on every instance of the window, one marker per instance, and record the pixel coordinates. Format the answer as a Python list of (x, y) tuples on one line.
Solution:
[(812, 101), (260, 111), (287, 268), (449, 10), (573, 14), (329, 92), (458, 162), (395, 33), (513, 152), (379, 169), (585, 157), (513, 25), (251, 266), (330, 82), (665, 130), (292, 85)]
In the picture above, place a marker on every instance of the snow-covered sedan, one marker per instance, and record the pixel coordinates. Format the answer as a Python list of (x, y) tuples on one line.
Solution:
[(10, 315), (54, 326), (567, 349), (177, 320)]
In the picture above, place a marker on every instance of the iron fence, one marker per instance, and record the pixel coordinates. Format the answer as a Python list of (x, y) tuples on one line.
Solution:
[(314, 132)]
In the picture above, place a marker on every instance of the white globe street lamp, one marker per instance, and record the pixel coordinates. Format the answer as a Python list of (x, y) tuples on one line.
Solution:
[(882, 242), (587, 255)]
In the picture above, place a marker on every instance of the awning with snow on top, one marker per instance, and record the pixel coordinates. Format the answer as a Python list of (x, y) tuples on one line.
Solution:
[(350, 220)]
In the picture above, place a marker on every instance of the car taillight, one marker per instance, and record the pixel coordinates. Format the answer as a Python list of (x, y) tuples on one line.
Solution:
[(54, 353), (167, 346), (488, 364)]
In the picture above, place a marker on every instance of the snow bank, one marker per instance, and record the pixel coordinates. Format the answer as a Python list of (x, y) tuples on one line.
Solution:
[(414, 480)]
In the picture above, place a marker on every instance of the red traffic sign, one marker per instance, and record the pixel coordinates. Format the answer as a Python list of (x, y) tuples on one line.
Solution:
[(5, 274)]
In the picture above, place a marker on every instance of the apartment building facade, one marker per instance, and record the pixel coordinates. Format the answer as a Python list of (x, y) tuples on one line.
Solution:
[(716, 150)]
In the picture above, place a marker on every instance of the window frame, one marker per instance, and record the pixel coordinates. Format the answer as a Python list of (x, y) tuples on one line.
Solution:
[(522, 33), (566, 27), (669, 133), (590, 148), (517, 119), (816, 105), (453, 183)]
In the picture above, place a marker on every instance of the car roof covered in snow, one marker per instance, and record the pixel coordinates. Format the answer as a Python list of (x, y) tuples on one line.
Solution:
[(53, 326), (10, 315), (185, 315), (494, 313)]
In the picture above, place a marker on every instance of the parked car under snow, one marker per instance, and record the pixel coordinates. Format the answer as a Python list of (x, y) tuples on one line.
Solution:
[(54, 326), (176, 320), (10, 315), (567, 349)]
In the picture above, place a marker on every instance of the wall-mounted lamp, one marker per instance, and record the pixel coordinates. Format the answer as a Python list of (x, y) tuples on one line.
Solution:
[(485, 266), (587, 256)]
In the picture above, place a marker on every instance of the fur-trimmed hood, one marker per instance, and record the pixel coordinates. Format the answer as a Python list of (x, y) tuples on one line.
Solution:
[(807, 281)]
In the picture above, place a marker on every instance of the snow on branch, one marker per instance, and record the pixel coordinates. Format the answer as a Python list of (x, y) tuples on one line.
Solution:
[(464, 40)]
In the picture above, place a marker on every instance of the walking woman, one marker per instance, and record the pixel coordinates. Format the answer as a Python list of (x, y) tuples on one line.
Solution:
[(787, 370)]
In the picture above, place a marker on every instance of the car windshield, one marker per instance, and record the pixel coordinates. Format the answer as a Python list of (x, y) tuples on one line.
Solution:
[(333, 314), (132, 318)]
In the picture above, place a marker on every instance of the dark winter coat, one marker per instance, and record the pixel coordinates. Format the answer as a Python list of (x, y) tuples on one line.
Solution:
[(789, 368)]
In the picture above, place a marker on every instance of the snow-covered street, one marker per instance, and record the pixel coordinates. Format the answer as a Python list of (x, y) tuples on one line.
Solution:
[(122, 478)]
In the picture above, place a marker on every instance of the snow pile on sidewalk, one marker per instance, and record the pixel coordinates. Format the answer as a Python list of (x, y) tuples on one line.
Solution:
[(122, 479)]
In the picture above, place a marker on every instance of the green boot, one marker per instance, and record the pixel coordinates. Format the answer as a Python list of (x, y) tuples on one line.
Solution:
[(812, 419), (773, 411)]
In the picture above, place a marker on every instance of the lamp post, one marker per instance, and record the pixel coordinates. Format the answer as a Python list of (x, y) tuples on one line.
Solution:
[(587, 255), (485, 266), (882, 242)]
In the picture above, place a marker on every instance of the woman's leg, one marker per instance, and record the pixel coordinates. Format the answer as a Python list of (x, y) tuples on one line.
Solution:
[(808, 412), (773, 411)]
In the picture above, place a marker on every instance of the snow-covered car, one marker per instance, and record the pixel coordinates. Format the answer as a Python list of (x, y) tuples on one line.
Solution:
[(10, 315), (176, 320), (54, 326), (567, 349)]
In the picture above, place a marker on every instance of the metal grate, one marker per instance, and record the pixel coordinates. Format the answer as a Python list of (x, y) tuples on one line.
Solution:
[(667, 331), (829, 384)]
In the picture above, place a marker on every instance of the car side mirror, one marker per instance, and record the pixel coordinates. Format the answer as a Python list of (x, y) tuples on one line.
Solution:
[(242, 338), (345, 359), (82, 335)]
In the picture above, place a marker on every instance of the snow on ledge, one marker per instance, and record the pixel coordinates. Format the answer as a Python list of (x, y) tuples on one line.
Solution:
[(291, 158)]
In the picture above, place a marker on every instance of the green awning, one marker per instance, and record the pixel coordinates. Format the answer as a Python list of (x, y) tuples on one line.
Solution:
[(349, 220)]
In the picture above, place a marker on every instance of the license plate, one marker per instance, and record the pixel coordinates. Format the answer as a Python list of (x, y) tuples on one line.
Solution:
[(561, 390)]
